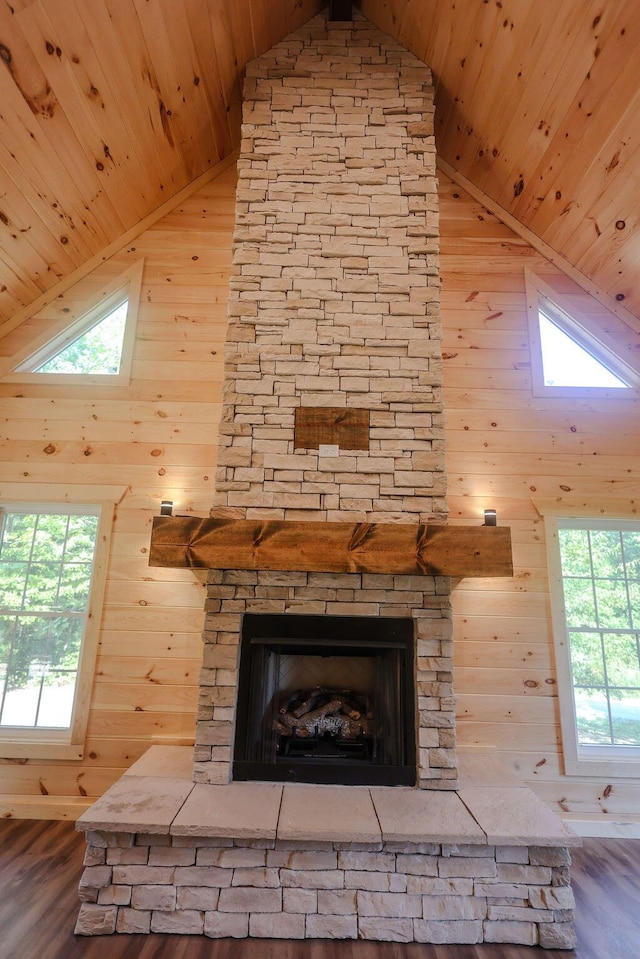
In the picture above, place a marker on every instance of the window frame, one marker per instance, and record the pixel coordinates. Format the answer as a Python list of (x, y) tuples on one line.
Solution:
[(59, 335), (580, 760), (18, 742), (604, 348)]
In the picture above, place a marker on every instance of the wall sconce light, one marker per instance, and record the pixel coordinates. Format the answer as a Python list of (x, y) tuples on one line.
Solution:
[(490, 517), (166, 507)]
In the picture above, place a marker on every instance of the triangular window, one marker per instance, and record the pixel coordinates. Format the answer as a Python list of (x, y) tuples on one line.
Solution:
[(577, 352), (565, 362), (97, 350), (97, 346)]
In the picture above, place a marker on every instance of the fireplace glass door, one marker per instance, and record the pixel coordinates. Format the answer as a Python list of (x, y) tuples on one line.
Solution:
[(326, 699)]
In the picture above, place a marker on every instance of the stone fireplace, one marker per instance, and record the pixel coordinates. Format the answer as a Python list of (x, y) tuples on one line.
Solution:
[(334, 313), (326, 690)]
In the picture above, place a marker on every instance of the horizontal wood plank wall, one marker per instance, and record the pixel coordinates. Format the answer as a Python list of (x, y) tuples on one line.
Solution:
[(506, 449), (158, 436)]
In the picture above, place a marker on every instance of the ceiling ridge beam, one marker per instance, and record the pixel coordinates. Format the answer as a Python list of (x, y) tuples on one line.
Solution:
[(509, 220), (13, 322)]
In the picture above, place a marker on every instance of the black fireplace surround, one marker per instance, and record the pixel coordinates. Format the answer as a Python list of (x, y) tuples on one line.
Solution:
[(326, 699)]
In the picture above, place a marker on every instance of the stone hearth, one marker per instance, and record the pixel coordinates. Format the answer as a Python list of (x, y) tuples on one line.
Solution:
[(487, 864)]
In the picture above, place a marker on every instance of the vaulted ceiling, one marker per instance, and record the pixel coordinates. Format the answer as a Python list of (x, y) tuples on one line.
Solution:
[(110, 107)]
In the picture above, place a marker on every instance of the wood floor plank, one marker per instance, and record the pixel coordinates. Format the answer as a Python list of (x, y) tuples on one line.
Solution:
[(41, 863)]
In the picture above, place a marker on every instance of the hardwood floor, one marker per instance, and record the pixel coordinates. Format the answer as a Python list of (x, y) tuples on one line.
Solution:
[(41, 863)]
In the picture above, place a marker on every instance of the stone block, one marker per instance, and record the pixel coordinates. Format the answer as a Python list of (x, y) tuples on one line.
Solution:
[(338, 902), (324, 860), (390, 905), (133, 921), (376, 881), (94, 920), (203, 898), (300, 900), (556, 897), (519, 933), (250, 900), (459, 867), (183, 922), (312, 879), (332, 927), (453, 907), (558, 935), (462, 931), (154, 897), (114, 896), (203, 876), (226, 925), (365, 861), (283, 926), (386, 930), (143, 875), (258, 878)]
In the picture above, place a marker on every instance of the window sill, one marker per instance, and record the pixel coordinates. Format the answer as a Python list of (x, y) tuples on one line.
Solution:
[(613, 768)]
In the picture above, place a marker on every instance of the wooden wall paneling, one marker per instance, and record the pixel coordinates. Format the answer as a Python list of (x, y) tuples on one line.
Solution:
[(503, 447)]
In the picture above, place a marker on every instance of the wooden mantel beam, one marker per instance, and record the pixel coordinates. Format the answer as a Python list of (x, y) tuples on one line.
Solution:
[(401, 548)]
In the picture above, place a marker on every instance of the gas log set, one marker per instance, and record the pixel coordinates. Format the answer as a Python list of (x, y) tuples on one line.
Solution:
[(322, 715)]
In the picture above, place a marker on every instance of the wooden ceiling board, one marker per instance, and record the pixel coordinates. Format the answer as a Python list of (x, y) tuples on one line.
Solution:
[(110, 107)]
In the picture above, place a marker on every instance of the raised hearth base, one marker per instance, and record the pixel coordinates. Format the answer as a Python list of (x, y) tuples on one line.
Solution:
[(487, 864)]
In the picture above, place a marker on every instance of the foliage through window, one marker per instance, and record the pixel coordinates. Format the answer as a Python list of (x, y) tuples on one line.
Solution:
[(46, 566), (98, 350), (599, 566)]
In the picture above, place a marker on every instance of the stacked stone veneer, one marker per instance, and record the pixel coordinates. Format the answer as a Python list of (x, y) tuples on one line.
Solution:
[(334, 302), (424, 892)]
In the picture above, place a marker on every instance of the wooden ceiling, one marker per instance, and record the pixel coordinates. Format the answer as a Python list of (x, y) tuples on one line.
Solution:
[(110, 107)]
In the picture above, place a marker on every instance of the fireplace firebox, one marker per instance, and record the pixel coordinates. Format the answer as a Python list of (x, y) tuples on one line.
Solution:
[(326, 699)]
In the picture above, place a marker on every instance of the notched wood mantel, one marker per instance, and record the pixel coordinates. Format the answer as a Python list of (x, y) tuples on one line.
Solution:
[(401, 548)]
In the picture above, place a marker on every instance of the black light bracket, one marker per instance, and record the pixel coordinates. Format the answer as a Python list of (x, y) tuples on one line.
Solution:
[(341, 10)]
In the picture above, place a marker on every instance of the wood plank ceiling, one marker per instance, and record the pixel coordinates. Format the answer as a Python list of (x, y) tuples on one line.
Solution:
[(109, 107)]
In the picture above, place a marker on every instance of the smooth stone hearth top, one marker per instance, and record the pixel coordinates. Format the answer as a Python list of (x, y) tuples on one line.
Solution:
[(157, 796), (516, 817), (423, 815), (328, 814), (137, 804), (235, 811)]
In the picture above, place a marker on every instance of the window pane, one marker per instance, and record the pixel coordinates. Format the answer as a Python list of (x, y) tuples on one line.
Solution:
[(592, 716), (40, 652), (81, 539), (623, 667), (606, 553), (49, 537), (579, 602), (625, 715), (574, 547), (17, 537), (13, 577), (631, 547), (42, 586), (634, 600), (586, 659), (613, 608)]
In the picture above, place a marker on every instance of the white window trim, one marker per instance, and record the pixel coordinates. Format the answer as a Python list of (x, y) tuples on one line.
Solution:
[(127, 286), (580, 760), (21, 743), (588, 334)]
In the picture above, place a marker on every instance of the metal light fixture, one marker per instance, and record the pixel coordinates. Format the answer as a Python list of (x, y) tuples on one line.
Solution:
[(166, 507), (490, 517)]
